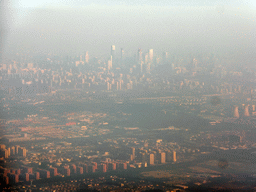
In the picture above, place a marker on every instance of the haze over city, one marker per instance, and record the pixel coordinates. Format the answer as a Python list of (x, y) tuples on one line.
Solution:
[(180, 26), (128, 96)]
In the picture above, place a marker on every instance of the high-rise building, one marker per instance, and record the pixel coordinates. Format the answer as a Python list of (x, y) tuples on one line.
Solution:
[(29, 169), (85, 168), (195, 64), (112, 166), (22, 152), (67, 171), (110, 63), (151, 54), (151, 159), (13, 178), (53, 171), (113, 48), (163, 157), (236, 112), (18, 171), (80, 170), (17, 148), (95, 165), (146, 58), (2, 146), (6, 153), (86, 57), (44, 173), (104, 168), (143, 158), (246, 111), (139, 57), (91, 169), (113, 53), (73, 169), (26, 176), (131, 157), (174, 156), (37, 175), (123, 166), (133, 151)]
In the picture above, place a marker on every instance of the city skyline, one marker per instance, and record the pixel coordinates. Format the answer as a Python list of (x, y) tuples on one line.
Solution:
[(128, 96)]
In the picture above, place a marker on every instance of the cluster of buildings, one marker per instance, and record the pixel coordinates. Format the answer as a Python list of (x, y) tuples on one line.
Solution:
[(25, 76), (13, 151), (245, 108), (37, 164), (73, 144)]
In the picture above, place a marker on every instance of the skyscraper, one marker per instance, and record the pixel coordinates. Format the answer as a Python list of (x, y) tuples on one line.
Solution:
[(246, 111), (133, 151), (113, 50), (151, 159), (86, 57), (139, 56), (163, 157), (113, 54), (236, 112), (146, 58), (174, 156), (150, 54), (110, 62)]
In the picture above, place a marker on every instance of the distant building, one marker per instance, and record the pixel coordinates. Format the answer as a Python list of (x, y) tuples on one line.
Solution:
[(151, 54), (112, 166), (163, 157), (22, 152), (73, 169), (113, 54), (86, 57), (253, 107), (104, 167), (91, 168), (27, 177), (80, 170), (123, 166), (53, 171), (132, 153), (246, 111), (13, 178), (2, 147), (37, 175), (236, 112), (151, 159), (174, 156), (44, 173), (67, 171), (28, 169)]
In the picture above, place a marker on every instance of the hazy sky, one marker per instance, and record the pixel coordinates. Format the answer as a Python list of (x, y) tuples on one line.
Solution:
[(74, 27)]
